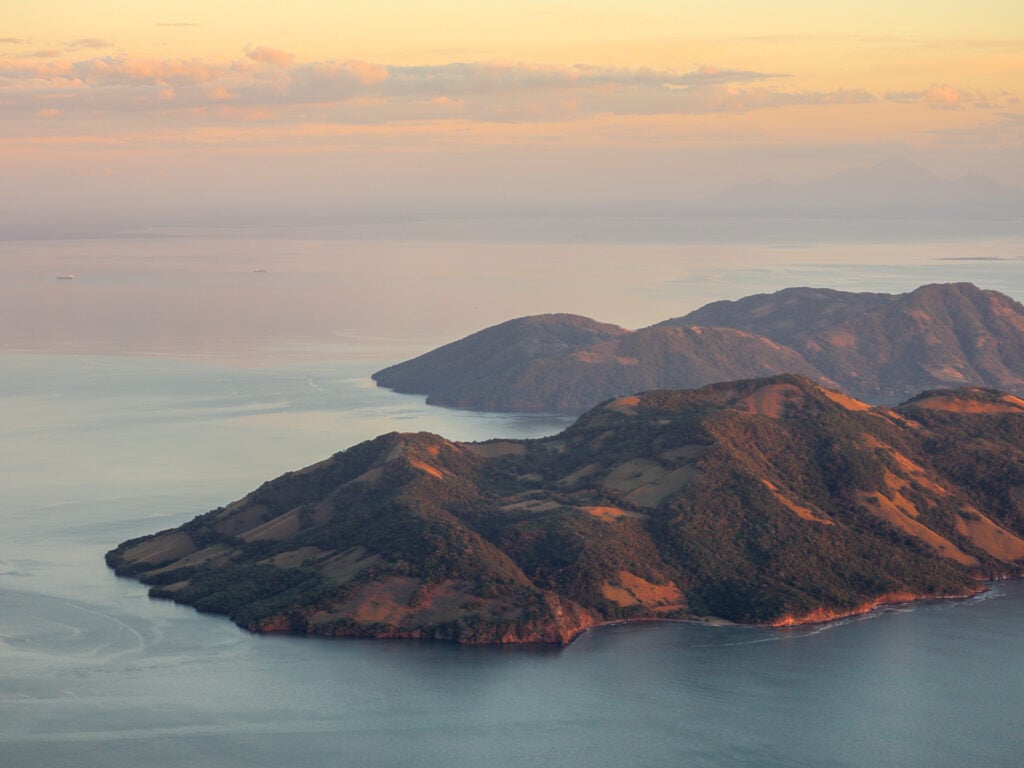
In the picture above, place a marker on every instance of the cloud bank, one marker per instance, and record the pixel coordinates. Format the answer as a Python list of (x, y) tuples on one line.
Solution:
[(272, 81), (74, 96)]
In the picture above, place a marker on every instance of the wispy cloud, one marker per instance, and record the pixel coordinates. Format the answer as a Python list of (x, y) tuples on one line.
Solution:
[(945, 96), (64, 49), (85, 43), (270, 86), (269, 78), (275, 56)]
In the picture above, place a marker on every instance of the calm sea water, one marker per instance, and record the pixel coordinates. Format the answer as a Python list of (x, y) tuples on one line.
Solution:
[(96, 448)]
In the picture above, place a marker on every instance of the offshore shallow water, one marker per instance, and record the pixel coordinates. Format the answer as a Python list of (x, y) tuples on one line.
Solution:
[(95, 449)]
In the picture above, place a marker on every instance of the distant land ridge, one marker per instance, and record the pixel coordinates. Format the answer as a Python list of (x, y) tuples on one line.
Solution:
[(881, 348), (765, 501), (890, 189)]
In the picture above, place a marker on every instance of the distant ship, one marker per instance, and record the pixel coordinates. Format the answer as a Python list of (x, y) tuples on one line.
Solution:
[(65, 277), (259, 269)]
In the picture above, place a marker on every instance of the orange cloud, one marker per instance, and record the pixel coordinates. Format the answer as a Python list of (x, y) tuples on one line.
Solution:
[(271, 78), (87, 42), (267, 85), (945, 96), (368, 74), (107, 70), (271, 56)]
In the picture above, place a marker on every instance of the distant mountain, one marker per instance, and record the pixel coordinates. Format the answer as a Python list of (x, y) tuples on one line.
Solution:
[(769, 501), (880, 347), (515, 366), (466, 372), (883, 347), (890, 189)]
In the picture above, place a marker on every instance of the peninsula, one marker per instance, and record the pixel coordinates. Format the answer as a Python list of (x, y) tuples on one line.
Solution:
[(765, 501)]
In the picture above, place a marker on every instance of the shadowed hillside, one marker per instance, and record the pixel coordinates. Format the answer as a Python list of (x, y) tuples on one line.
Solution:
[(529, 376), (457, 373), (881, 348), (764, 501)]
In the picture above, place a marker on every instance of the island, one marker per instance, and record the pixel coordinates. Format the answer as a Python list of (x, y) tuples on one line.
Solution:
[(768, 501), (880, 348)]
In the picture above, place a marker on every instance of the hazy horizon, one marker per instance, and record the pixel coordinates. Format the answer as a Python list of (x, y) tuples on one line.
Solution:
[(235, 115)]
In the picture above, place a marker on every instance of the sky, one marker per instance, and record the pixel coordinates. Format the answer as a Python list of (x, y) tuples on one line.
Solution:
[(117, 113)]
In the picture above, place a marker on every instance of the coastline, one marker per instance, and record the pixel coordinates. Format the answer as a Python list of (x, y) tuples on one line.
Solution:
[(823, 615), (819, 616)]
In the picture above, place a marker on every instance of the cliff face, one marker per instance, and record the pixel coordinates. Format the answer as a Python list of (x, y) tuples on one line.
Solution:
[(879, 347), (764, 501)]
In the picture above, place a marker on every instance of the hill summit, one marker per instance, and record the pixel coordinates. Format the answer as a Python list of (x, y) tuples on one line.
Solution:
[(767, 501)]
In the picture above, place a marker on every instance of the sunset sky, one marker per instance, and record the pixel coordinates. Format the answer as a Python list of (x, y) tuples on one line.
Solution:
[(172, 112)]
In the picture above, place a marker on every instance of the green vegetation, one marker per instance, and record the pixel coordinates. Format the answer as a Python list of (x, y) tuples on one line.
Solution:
[(760, 501)]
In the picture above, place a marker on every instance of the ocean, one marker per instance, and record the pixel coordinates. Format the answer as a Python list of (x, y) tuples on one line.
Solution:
[(177, 372)]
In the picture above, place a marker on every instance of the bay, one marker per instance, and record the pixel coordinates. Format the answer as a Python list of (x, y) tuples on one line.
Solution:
[(97, 447)]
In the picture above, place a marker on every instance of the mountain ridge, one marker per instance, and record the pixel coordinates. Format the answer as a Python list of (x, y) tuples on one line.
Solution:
[(893, 188)]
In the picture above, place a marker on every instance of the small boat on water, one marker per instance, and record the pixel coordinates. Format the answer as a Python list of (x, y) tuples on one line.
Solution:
[(65, 277)]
